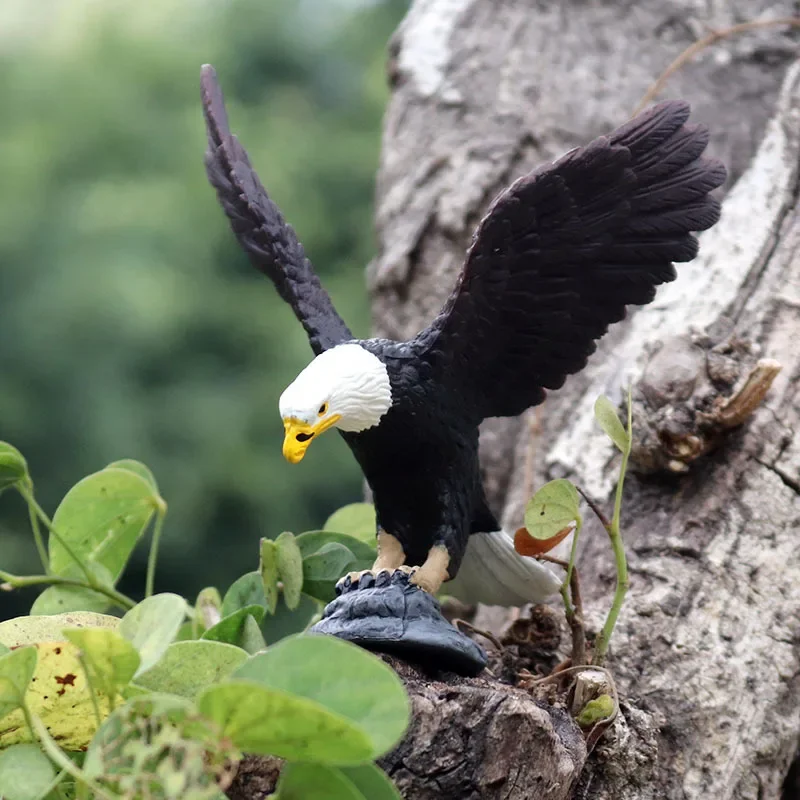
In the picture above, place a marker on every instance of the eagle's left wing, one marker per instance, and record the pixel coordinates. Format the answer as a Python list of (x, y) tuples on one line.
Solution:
[(562, 252), (261, 229)]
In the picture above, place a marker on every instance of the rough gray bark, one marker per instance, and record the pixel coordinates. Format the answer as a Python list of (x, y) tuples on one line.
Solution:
[(707, 651)]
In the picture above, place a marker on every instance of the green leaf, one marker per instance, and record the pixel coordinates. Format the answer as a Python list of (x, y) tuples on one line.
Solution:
[(158, 746), (231, 629), (33, 630), (101, 518), (268, 567), (606, 416), (16, 671), (4, 650), (305, 781), (251, 639), (188, 667), (308, 781), (290, 568), (596, 710), (26, 773), (339, 677), (553, 508), (311, 542), (152, 625), (272, 722), (13, 467), (372, 782), (322, 569), (357, 520), (248, 590), (110, 660), (63, 599), (285, 622), (137, 468)]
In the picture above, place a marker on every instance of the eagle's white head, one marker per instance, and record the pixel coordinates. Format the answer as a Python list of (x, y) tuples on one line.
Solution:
[(346, 387)]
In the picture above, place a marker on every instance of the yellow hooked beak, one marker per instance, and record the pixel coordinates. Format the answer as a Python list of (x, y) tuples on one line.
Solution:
[(299, 435)]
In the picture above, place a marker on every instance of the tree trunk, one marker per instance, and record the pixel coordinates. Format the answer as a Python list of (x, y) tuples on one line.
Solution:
[(707, 650)]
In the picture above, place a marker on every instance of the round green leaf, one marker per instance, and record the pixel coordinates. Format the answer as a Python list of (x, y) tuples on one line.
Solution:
[(269, 572), (286, 622), (356, 519), (63, 599), (110, 660), (248, 590), (339, 677), (32, 630), (273, 722), (315, 782), (158, 746), (16, 671), (26, 773), (101, 518), (137, 468), (232, 629), (251, 639), (553, 508), (13, 467), (319, 782), (606, 416), (290, 568), (152, 625), (322, 569), (188, 667), (312, 541)]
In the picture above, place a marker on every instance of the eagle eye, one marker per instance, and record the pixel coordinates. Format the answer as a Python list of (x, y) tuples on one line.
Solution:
[(304, 437), (323, 409)]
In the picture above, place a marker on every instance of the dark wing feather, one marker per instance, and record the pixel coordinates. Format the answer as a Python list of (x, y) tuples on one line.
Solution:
[(261, 229), (563, 251)]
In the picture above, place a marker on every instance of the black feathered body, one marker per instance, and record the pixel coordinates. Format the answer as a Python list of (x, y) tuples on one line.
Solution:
[(558, 257), (421, 462)]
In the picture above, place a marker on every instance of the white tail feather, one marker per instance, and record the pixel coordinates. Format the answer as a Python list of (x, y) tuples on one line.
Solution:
[(493, 573)]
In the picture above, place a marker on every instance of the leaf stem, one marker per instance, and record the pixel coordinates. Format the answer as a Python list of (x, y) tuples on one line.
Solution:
[(152, 558), (32, 504), (92, 690), (21, 581)]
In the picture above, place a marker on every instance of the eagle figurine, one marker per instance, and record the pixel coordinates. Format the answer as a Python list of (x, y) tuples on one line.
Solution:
[(556, 259)]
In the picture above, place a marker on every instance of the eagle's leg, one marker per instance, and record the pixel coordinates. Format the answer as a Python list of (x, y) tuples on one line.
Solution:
[(433, 573), (390, 553), (390, 558)]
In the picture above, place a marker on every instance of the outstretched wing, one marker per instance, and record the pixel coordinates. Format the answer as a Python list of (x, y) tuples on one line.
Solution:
[(261, 229), (563, 251)]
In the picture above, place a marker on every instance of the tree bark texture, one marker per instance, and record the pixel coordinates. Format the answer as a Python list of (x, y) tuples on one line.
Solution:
[(707, 650)]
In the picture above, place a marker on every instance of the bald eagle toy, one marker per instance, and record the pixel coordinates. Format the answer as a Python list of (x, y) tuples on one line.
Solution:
[(557, 258)]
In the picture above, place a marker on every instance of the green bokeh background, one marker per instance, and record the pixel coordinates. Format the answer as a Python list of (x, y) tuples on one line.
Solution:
[(130, 324)]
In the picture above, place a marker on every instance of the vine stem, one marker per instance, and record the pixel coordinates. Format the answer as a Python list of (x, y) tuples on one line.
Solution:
[(152, 557), (618, 548), (37, 531), (701, 44), (57, 755), (574, 610), (21, 581), (39, 511)]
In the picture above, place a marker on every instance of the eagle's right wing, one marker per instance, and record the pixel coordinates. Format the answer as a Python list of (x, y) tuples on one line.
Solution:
[(560, 255)]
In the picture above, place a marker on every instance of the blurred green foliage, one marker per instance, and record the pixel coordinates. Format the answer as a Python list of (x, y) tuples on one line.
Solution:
[(130, 324)]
